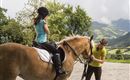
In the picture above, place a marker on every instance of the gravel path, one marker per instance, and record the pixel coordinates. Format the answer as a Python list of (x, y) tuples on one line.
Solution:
[(111, 71)]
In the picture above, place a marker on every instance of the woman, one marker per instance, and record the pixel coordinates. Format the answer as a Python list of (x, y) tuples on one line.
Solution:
[(42, 31), (98, 58), (41, 25)]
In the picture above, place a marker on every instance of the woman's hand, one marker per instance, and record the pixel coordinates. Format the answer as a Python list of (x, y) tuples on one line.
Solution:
[(97, 60), (93, 57)]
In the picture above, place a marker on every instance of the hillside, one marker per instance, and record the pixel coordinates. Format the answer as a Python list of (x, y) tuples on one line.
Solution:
[(122, 24), (118, 32), (107, 31), (114, 30), (123, 41)]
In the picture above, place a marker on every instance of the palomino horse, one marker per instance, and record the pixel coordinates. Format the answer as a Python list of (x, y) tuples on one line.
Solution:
[(20, 60)]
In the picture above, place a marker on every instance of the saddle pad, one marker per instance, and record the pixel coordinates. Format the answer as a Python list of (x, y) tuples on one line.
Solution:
[(44, 54)]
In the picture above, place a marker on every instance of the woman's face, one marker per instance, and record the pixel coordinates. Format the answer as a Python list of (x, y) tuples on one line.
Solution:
[(100, 46), (46, 17)]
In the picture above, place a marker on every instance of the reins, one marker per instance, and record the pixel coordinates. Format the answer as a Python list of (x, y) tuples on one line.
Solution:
[(75, 53)]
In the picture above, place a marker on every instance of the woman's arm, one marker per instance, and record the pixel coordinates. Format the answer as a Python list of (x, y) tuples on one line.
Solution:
[(102, 60), (46, 29)]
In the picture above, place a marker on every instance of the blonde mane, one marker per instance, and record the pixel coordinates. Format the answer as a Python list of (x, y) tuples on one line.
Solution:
[(72, 37)]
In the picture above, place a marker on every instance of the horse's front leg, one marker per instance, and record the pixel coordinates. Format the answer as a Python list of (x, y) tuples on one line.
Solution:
[(63, 79), (68, 79)]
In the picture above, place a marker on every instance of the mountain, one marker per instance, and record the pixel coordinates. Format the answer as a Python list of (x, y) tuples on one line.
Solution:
[(123, 41), (108, 31), (122, 24), (118, 32)]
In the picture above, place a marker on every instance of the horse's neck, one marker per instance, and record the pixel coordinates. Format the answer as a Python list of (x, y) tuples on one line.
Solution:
[(77, 46), (70, 57), (75, 51)]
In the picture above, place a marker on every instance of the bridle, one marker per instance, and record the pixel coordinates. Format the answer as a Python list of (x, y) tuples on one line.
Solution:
[(75, 52)]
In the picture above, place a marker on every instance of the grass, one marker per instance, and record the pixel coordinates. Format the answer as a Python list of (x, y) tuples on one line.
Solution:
[(118, 61)]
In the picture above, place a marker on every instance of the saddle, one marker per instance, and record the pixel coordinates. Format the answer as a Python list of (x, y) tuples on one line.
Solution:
[(45, 47)]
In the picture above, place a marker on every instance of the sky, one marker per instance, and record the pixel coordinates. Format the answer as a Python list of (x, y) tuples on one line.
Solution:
[(13, 6), (99, 10)]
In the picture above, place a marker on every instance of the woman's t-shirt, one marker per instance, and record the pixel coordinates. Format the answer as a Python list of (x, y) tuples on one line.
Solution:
[(41, 34), (97, 54)]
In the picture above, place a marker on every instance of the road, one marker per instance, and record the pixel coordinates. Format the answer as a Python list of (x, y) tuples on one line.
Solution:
[(111, 71)]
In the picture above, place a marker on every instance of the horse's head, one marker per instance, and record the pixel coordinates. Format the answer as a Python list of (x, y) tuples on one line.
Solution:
[(88, 49), (77, 45)]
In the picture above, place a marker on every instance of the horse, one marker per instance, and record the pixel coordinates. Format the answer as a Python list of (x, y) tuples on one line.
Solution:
[(21, 60)]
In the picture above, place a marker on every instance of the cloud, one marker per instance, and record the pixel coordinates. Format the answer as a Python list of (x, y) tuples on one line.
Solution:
[(104, 9), (104, 20), (112, 9)]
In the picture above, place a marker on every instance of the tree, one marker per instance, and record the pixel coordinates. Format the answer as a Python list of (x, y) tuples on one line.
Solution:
[(3, 18), (29, 12), (9, 32), (62, 21), (78, 21), (12, 31), (119, 54), (57, 21), (118, 51)]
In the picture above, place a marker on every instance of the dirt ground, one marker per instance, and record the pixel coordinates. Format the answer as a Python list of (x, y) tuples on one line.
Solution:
[(111, 71)]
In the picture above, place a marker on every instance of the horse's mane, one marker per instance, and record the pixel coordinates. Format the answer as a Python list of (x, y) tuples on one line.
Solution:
[(72, 37)]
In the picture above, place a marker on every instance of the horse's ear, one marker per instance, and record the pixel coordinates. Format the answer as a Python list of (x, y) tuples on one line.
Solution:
[(91, 38), (71, 33)]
